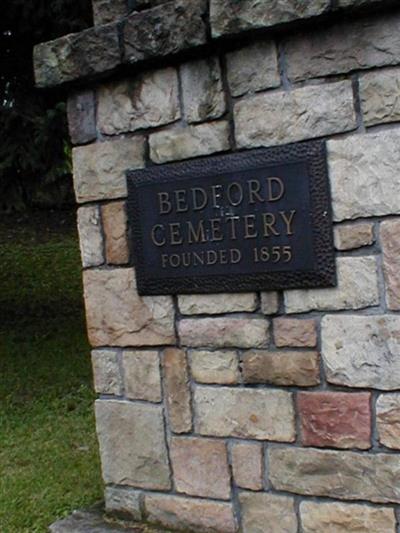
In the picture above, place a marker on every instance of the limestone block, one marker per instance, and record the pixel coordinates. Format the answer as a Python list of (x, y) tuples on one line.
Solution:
[(215, 304), (335, 419), (99, 169), (369, 188), (193, 141), (357, 287), (177, 390), (90, 236), (352, 236), (288, 116), (132, 444), (200, 467), (105, 11), (292, 332), (219, 367), (337, 474), (123, 502), (388, 420), (362, 351), (142, 375), (378, 94), (148, 100), (390, 240), (117, 316), (267, 513), (339, 517), (245, 413), (299, 369), (115, 227), (190, 513), (247, 465), (81, 117), (269, 303), (202, 90), (107, 377), (253, 68), (224, 332)]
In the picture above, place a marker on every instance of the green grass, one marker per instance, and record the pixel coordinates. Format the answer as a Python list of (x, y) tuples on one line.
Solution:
[(48, 451)]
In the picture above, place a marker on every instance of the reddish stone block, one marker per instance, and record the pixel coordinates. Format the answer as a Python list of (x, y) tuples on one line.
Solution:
[(293, 332), (335, 419)]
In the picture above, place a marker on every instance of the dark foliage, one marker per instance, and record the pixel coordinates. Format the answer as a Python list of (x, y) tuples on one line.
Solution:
[(34, 145)]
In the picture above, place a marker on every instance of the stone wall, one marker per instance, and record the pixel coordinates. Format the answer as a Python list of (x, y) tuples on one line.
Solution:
[(259, 412)]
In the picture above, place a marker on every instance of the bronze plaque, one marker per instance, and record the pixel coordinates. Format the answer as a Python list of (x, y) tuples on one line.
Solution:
[(254, 220)]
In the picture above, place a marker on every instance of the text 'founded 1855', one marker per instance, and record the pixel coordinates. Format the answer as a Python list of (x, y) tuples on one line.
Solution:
[(256, 220)]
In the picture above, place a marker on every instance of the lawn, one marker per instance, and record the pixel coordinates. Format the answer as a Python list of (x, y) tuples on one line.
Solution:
[(48, 452)]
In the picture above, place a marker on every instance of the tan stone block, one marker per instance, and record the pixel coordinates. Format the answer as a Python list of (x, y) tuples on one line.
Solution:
[(245, 413), (106, 374), (247, 465), (90, 236), (99, 168), (192, 141), (224, 332), (117, 316), (214, 304), (388, 420), (335, 474), (132, 444), (293, 332), (378, 94), (357, 287), (221, 367), (200, 467), (148, 100), (299, 369), (390, 239), (190, 513), (339, 517), (267, 513), (177, 390), (269, 303), (351, 236), (142, 378), (123, 502), (115, 231)]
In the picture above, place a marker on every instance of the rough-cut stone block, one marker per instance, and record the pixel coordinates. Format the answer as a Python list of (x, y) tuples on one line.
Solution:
[(247, 465), (118, 316), (106, 373), (335, 419), (66, 59), (132, 444), (225, 332), (177, 390), (282, 117), (105, 11), (299, 369), (215, 304), (81, 117), (345, 46), (352, 236), (253, 68), (267, 513), (339, 517), (123, 502), (142, 375), (336, 474), (200, 467), (378, 94), (202, 90), (215, 367), (390, 240), (245, 413), (115, 230), (362, 351), (357, 190), (90, 236), (193, 141), (269, 303), (190, 513), (230, 16), (292, 332), (388, 420), (148, 100), (357, 287), (99, 169), (164, 30)]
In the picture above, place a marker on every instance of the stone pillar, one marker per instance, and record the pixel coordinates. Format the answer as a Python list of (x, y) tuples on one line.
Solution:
[(261, 411)]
